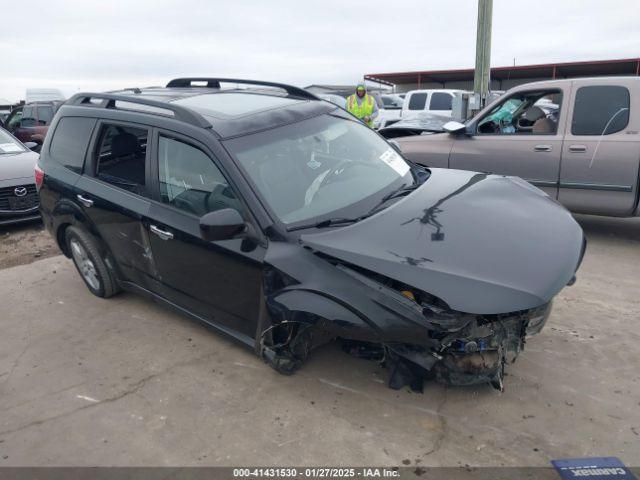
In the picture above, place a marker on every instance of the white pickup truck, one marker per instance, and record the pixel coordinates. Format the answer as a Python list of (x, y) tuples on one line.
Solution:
[(436, 101)]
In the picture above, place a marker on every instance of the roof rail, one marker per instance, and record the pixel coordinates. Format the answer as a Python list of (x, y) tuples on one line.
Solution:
[(109, 101), (130, 89), (215, 83)]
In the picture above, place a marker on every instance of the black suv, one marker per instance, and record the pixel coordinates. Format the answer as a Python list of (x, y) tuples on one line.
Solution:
[(283, 221)]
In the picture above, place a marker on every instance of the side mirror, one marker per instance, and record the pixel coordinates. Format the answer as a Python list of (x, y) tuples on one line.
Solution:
[(221, 224), (454, 127), (31, 146), (395, 145)]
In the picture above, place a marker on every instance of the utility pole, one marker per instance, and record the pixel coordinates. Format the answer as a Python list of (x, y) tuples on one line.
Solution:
[(482, 75)]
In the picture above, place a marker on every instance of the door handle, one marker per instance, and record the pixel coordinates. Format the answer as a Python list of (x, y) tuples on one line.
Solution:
[(87, 202), (577, 148), (163, 234), (542, 148)]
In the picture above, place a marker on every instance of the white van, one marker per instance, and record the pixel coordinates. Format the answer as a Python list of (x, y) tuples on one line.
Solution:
[(34, 95), (437, 101)]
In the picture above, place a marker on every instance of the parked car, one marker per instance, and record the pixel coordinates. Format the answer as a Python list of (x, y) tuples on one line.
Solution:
[(576, 139), (18, 196), (437, 101), (390, 110), (30, 122), (281, 220)]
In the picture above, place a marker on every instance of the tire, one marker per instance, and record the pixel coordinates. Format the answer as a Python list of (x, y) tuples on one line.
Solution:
[(89, 263)]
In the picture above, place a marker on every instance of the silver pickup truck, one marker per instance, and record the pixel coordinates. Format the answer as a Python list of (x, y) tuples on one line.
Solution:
[(576, 139)]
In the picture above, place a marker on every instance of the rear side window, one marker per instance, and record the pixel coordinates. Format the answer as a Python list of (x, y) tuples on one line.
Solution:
[(600, 110), (70, 141), (417, 101), (190, 181), (440, 101), (45, 115), (121, 156)]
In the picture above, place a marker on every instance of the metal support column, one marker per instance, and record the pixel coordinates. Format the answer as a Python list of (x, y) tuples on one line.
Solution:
[(482, 75)]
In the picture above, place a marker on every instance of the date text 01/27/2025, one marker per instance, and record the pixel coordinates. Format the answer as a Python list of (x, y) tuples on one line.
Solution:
[(316, 472)]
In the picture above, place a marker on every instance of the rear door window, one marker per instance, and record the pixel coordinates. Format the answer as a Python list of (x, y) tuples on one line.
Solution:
[(418, 101), (70, 141), (600, 110), (29, 116), (440, 101), (45, 114), (121, 156)]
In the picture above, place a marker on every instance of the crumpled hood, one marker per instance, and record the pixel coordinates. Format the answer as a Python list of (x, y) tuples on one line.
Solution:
[(482, 243), (19, 165)]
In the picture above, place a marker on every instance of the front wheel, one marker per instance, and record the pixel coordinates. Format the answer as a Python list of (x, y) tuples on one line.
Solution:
[(87, 259)]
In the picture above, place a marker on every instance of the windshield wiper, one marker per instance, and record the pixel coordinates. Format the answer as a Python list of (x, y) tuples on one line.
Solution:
[(403, 189), (398, 192), (332, 222), (329, 222)]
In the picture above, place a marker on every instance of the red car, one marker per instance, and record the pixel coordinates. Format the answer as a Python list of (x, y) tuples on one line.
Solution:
[(30, 122)]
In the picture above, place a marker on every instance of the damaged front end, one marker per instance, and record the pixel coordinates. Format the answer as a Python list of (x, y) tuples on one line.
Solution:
[(446, 283), (413, 334)]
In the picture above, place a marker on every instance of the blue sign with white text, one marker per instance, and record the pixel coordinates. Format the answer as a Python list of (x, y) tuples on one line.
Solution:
[(595, 468)]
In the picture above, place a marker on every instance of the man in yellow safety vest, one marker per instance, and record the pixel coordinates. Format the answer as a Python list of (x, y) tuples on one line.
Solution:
[(362, 105)]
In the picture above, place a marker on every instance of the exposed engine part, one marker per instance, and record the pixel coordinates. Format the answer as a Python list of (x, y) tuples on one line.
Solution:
[(478, 355), (285, 346)]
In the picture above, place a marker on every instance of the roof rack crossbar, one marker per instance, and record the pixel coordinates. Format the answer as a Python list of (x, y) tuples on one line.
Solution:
[(109, 101), (215, 83)]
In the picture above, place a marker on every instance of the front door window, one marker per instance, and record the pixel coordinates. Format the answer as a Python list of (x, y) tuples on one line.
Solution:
[(14, 119), (190, 181), (524, 113)]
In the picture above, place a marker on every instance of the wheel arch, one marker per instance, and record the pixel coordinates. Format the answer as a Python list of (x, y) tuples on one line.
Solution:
[(334, 317), (66, 214)]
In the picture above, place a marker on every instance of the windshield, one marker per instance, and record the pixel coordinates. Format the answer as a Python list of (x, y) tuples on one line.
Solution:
[(390, 102), (8, 144), (323, 166)]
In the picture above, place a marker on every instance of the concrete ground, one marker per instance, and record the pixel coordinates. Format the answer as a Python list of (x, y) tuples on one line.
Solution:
[(25, 243), (85, 381)]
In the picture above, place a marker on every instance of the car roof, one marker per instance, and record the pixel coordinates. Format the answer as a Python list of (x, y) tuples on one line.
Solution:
[(229, 112), (429, 90), (42, 102), (574, 80)]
